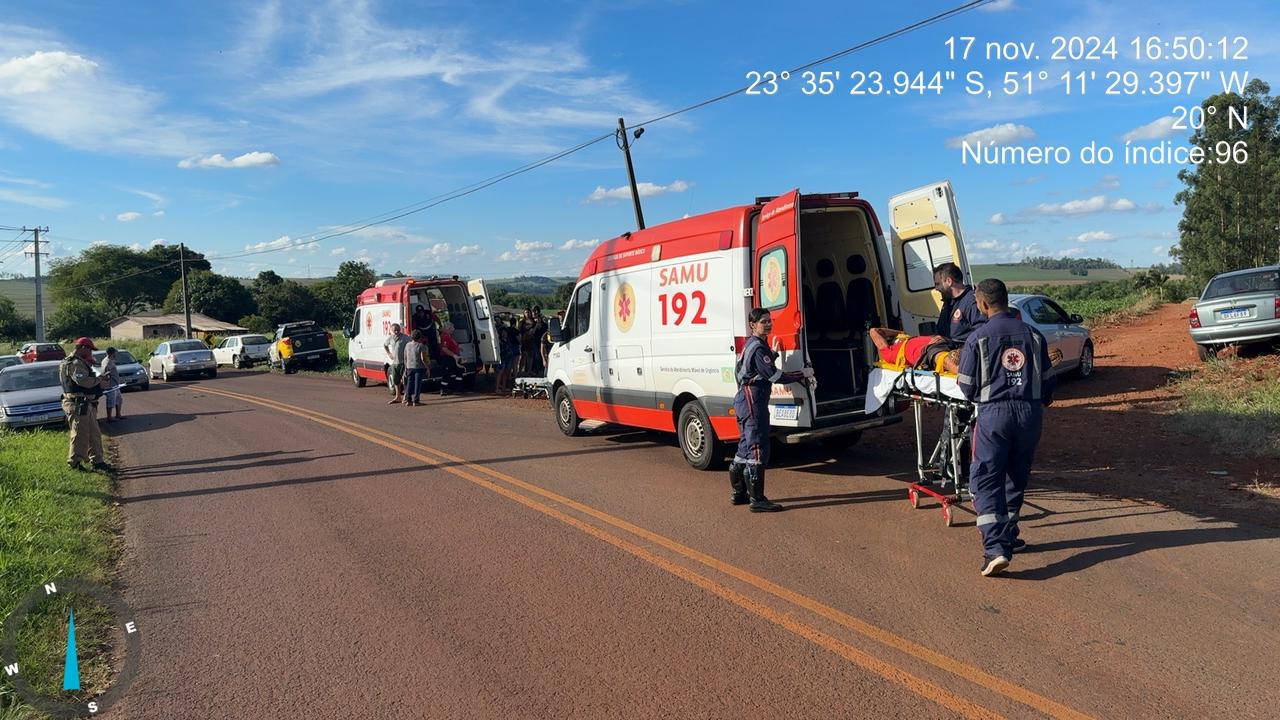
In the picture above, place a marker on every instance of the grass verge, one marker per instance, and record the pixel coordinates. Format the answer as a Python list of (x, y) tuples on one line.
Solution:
[(1234, 405), (54, 523)]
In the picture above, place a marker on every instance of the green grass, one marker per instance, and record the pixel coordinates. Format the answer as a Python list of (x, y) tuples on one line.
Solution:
[(23, 294), (54, 523), (1022, 274), (1234, 405)]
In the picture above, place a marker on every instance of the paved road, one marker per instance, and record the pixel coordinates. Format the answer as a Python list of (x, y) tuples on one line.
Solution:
[(295, 547)]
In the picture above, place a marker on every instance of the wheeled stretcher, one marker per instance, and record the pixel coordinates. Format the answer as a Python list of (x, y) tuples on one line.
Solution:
[(946, 465), (530, 387)]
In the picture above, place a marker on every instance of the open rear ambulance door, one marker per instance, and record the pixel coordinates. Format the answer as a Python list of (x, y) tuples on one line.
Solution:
[(776, 271), (486, 329), (924, 232)]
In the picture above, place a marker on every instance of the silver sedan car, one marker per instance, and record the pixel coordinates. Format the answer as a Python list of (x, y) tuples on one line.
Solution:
[(1237, 308), (1063, 331)]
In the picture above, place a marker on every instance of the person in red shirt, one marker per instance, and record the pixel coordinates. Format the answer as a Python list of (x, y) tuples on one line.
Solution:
[(450, 360), (898, 348)]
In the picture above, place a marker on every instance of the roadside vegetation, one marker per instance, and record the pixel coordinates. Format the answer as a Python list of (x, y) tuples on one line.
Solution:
[(1103, 302), (1234, 404), (54, 523)]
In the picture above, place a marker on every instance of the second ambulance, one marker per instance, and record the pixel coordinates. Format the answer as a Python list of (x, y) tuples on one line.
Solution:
[(658, 316)]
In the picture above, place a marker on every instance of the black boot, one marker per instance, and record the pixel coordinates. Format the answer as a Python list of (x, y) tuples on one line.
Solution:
[(738, 481), (755, 487)]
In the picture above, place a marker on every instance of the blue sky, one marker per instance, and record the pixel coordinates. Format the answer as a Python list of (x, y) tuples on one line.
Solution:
[(237, 127)]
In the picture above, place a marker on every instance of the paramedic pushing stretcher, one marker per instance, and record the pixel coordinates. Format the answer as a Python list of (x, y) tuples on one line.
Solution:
[(1004, 370), (756, 374)]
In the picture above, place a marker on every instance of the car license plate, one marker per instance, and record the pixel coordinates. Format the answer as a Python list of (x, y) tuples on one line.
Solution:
[(786, 412), (1234, 313)]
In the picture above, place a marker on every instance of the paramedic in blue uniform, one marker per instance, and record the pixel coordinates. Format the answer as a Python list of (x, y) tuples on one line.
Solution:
[(957, 320), (1004, 369), (960, 315), (756, 373)]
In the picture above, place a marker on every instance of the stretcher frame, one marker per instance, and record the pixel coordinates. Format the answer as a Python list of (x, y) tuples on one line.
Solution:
[(948, 451), (531, 387)]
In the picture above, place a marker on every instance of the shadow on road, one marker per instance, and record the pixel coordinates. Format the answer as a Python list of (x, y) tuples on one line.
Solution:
[(222, 466), (1103, 548), (156, 421)]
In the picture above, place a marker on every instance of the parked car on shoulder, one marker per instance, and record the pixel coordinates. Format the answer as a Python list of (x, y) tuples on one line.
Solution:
[(7, 360), (176, 358), (1237, 308), (301, 344), (39, 352), (1064, 332), (132, 374), (242, 351), (31, 394)]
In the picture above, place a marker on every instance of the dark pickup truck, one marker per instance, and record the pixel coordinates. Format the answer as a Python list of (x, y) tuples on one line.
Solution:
[(301, 344)]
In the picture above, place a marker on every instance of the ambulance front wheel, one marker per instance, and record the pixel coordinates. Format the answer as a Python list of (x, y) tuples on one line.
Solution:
[(566, 415), (702, 449)]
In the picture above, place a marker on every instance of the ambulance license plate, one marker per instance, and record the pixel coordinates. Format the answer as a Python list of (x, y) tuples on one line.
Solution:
[(786, 412), (1234, 313)]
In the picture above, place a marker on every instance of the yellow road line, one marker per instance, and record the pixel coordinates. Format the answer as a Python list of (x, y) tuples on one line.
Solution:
[(973, 674)]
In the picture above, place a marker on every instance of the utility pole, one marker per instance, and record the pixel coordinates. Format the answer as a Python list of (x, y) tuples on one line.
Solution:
[(631, 171), (186, 297), (35, 253)]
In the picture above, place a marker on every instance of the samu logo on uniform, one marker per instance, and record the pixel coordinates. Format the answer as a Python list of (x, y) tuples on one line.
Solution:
[(1013, 360)]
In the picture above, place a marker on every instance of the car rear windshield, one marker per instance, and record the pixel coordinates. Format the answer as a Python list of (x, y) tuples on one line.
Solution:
[(1262, 281), (28, 378), (186, 345), (255, 340)]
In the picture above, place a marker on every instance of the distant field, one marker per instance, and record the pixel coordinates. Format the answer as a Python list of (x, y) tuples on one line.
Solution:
[(1027, 275), (23, 294)]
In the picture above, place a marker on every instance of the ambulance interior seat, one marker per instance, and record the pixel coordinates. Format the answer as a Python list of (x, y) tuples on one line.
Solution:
[(860, 301), (830, 314), (806, 297)]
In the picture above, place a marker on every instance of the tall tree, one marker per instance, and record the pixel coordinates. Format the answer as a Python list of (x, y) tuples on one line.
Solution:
[(113, 277), (287, 301), (218, 296), (80, 317), (170, 273), (13, 326), (1231, 209)]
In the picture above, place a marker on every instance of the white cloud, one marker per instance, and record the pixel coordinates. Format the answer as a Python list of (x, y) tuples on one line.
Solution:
[(158, 201), (1160, 251), (994, 250), (128, 216), (218, 160), (466, 250), (1003, 134), (997, 6), (1094, 236), (284, 243), (1087, 206), (646, 189), (338, 251), (526, 252), (1157, 129), (1069, 252), (158, 242), (579, 244), (56, 93), (37, 201), (1003, 219), (12, 180), (158, 213)]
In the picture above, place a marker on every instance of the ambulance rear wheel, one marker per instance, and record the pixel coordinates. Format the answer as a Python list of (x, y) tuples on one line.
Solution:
[(566, 415), (702, 449)]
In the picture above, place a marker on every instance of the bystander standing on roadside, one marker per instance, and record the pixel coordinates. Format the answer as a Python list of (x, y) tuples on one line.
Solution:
[(509, 348), (394, 345), (416, 362), (528, 343), (113, 395)]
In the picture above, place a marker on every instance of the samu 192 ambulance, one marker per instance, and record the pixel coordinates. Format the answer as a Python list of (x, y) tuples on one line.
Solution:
[(392, 301), (659, 316)]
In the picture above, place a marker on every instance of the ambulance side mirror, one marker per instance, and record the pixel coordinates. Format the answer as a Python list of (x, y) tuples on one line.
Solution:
[(346, 333), (553, 329)]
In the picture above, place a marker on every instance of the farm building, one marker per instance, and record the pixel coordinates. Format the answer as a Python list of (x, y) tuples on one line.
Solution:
[(137, 327)]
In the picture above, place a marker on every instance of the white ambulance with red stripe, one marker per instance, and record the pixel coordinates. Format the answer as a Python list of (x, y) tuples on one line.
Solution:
[(392, 301), (658, 317)]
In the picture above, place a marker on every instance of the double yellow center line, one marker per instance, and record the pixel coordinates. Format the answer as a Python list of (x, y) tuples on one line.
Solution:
[(506, 485)]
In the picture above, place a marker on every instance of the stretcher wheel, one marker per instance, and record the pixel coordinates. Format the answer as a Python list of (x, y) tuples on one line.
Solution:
[(913, 497), (946, 515)]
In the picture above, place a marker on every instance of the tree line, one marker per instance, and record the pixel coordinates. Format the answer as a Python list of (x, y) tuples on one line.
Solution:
[(151, 279)]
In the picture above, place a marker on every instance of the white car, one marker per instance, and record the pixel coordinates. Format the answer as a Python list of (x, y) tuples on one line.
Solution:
[(241, 351), (181, 357), (1063, 331)]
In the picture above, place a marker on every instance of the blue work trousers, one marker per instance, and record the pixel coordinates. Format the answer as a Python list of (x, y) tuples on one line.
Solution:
[(1005, 436), (413, 384), (751, 407)]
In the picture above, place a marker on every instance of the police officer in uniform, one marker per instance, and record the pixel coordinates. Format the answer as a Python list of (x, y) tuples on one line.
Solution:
[(756, 374), (80, 392), (1004, 368)]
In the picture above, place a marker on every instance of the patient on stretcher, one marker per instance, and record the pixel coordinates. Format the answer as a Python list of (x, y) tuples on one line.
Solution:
[(927, 352)]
